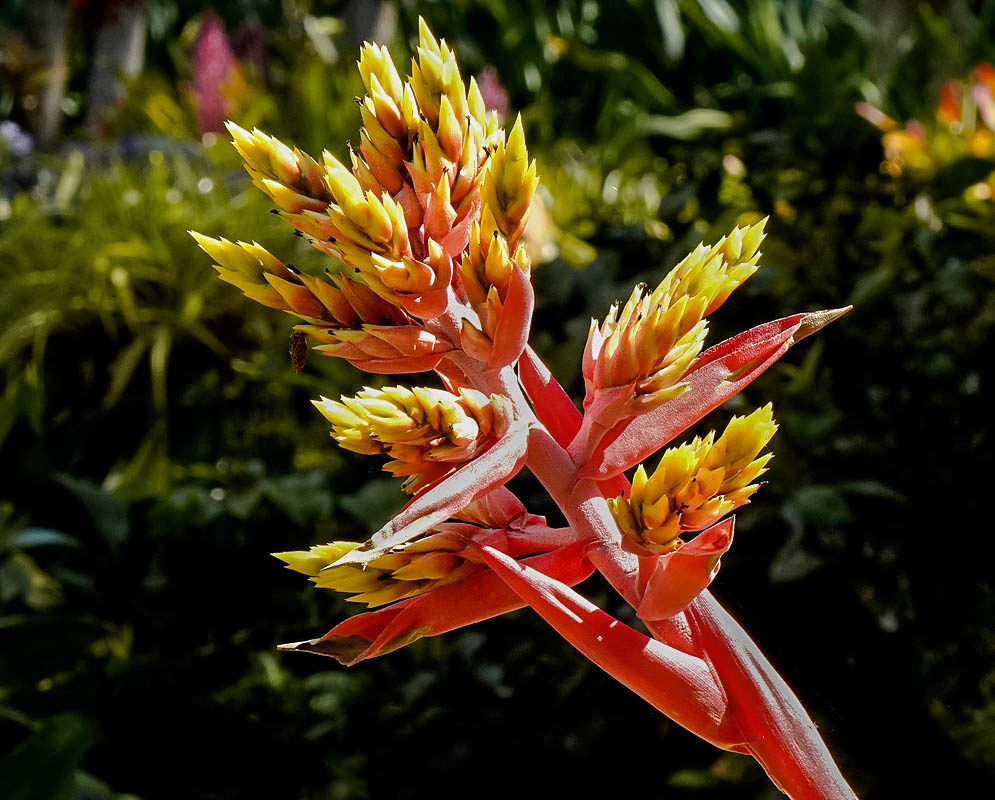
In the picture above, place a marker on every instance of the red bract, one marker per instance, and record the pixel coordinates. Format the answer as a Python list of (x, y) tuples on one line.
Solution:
[(428, 223)]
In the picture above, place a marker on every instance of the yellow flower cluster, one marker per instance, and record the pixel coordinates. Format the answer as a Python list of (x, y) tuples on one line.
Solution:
[(403, 209), (653, 340), (412, 569), (695, 484), (352, 321), (418, 428)]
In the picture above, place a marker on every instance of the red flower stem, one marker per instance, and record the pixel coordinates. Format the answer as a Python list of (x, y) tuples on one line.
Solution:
[(581, 501), (776, 730)]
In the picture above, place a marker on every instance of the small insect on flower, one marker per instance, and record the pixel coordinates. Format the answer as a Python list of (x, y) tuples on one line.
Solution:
[(298, 350)]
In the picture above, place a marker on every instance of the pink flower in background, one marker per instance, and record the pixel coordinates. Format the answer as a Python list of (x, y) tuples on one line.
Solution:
[(215, 73), (494, 94)]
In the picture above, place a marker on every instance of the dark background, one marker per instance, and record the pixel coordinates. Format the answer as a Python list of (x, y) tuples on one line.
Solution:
[(156, 444)]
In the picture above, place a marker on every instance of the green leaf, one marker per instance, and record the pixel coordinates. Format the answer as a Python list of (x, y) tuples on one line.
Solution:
[(147, 474), (43, 766), (122, 369), (687, 126), (302, 497), (40, 537), (108, 512), (375, 503), (821, 504)]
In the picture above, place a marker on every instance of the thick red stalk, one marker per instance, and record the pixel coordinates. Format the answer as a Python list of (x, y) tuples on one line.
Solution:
[(778, 731), (678, 684)]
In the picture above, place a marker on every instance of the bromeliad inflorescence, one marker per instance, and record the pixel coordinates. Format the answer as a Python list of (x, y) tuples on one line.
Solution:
[(429, 272)]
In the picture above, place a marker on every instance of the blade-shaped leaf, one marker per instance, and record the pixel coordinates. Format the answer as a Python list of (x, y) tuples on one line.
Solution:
[(552, 404), (676, 683), (474, 599), (721, 372)]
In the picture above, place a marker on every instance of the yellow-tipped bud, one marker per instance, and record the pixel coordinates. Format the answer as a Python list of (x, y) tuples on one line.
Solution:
[(432, 560), (377, 67), (509, 183), (267, 158), (654, 338), (694, 485), (415, 427)]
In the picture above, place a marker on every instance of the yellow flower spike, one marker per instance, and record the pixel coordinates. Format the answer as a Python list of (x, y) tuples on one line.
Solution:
[(268, 158), (338, 414), (656, 336), (252, 148), (374, 132), (415, 426), (311, 562), (385, 109), (450, 134), (380, 228), (345, 189), (230, 255), (695, 484), (746, 475), (282, 160), (264, 278), (509, 183), (743, 438), (497, 265), (435, 74), (475, 103), (375, 63)]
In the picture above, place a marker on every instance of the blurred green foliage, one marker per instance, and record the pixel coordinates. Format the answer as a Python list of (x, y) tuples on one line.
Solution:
[(158, 445)]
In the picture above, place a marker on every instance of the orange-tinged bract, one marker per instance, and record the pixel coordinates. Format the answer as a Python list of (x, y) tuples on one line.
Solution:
[(427, 219)]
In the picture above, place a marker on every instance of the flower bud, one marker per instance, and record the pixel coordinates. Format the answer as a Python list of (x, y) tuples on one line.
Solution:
[(694, 485)]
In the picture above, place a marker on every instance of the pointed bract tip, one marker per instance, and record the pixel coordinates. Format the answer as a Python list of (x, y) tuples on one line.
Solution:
[(344, 649), (816, 321)]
